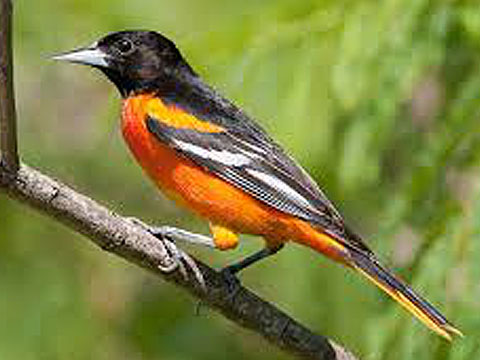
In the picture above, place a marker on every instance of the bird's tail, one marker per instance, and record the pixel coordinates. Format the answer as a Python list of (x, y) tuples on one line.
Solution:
[(367, 265)]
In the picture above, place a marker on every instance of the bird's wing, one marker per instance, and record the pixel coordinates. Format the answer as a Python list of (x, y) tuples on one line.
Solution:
[(259, 167)]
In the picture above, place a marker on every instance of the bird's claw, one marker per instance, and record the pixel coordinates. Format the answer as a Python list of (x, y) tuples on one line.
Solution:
[(182, 261), (232, 281)]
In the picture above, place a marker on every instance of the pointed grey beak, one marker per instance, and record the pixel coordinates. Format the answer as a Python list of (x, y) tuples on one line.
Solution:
[(87, 56)]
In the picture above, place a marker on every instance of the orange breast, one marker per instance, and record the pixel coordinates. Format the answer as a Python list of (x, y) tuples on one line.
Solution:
[(200, 191)]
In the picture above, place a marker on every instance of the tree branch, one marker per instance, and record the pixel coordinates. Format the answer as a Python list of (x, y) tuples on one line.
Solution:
[(117, 235), (8, 126)]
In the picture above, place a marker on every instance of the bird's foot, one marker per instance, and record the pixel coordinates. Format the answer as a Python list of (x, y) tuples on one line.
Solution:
[(233, 283), (168, 235)]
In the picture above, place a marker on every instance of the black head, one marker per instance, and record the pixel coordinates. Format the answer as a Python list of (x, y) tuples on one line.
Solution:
[(134, 61)]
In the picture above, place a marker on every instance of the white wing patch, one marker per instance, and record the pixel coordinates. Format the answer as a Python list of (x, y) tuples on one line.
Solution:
[(224, 157), (280, 186)]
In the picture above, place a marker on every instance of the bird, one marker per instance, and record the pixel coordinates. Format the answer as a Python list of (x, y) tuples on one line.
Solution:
[(208, 155)]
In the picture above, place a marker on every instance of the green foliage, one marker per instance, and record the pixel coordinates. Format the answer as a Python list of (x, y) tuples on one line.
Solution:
[(378, 100)]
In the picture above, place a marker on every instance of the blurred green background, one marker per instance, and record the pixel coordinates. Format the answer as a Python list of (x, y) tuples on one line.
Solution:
[(378, 100)]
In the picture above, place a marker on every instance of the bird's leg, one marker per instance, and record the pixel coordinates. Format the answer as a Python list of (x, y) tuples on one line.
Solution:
[(222, 239), (229, 272), (252, 259), (168, 235), (174, 234)]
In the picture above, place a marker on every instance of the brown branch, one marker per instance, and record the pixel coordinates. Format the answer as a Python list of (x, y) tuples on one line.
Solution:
[(8, 126), (117, 235)]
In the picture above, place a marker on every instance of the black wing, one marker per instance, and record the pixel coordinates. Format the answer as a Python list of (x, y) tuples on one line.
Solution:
[(260, 170), (246, 157)]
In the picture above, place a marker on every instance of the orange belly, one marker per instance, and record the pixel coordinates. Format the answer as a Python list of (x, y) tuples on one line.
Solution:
[(209, 196)]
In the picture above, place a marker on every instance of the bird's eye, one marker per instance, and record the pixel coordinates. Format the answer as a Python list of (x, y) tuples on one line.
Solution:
[(125, 46)]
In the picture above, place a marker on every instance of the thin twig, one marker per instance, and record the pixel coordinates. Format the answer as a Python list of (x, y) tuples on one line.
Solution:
[(8, 126), (117, 235)]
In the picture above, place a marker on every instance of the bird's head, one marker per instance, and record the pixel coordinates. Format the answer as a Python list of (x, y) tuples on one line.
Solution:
[(132, 60)]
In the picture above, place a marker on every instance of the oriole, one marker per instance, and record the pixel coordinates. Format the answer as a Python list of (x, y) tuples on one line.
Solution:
[(208, 155)]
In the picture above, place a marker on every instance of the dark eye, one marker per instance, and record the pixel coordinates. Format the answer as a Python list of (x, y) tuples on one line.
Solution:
[(125, 46)]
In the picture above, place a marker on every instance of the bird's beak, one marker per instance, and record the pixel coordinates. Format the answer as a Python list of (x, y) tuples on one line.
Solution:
[(88, 56)]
